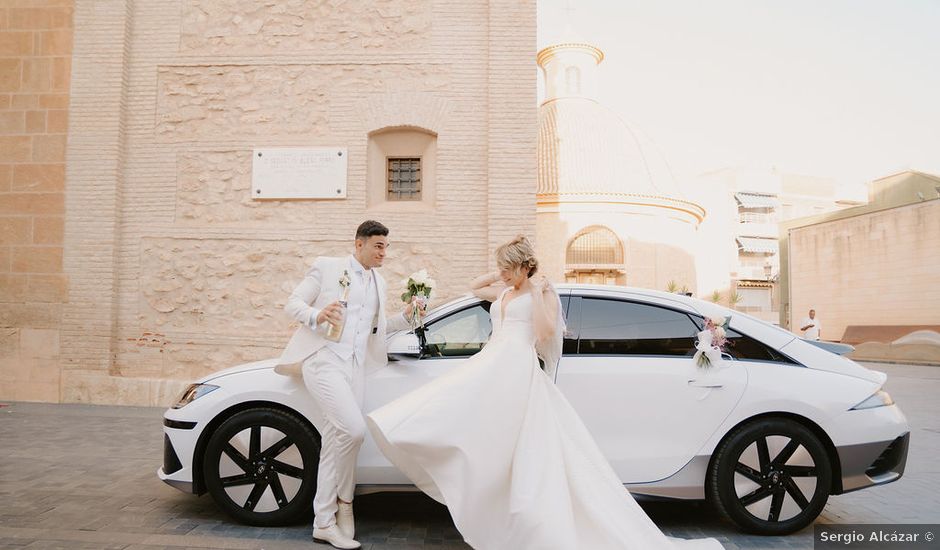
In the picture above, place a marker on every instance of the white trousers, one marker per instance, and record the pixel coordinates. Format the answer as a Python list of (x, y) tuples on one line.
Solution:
[(337, 386)]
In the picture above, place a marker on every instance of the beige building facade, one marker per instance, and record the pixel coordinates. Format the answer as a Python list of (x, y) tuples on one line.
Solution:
[(169, 268), (872, 270), (740, 264), (609, 211)]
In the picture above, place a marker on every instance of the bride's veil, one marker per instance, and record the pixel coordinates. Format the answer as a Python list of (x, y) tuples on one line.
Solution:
[(550, 350)]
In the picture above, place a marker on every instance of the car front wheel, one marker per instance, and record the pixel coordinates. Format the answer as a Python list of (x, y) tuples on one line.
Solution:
[(260, 467), (770, 476)]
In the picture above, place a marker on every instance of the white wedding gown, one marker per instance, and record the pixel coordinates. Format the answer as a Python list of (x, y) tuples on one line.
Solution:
[(496, 442)]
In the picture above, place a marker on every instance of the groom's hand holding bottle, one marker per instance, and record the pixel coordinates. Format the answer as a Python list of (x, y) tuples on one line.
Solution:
[(332, 313)]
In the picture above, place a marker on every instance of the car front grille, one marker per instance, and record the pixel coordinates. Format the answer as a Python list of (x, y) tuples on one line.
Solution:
[(171, 462)]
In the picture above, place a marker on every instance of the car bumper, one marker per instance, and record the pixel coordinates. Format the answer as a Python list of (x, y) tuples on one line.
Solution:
[(874, 448), (179, 440), (185, 486), (869, 464)]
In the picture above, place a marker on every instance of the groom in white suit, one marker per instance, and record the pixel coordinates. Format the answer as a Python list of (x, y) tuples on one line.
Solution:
[(334, 372)]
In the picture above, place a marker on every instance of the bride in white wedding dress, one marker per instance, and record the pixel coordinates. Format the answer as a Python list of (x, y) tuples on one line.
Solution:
[(496, 442)]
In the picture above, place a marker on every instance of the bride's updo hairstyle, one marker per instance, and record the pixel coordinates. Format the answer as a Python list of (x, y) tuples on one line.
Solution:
[(517, 253)]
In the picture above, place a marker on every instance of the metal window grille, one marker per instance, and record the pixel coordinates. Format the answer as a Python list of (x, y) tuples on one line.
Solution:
[(595, 246), (404, 178)]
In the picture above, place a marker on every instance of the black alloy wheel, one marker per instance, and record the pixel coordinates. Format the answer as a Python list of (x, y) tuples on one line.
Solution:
[(260, 466), (771, 476)]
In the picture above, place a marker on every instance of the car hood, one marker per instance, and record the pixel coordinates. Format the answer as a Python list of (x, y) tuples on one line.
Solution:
[(257, 365)]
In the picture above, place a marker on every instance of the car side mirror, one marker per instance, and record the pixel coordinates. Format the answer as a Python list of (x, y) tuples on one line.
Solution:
[(404, 344)]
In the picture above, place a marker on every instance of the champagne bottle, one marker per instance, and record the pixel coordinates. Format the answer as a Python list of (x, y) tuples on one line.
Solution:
[(335, 331)]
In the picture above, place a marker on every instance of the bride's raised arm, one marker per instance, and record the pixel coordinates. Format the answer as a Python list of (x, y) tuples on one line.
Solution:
[(485, 286)]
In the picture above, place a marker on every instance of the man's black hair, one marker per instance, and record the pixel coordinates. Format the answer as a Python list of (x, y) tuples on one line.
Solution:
[(371, 228)]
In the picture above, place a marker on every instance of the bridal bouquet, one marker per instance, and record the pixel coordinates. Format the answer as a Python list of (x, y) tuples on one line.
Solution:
[(711, 342), (418, 285)]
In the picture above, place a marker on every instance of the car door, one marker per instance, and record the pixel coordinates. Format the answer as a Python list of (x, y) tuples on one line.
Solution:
[(634, 384), (451, 340)]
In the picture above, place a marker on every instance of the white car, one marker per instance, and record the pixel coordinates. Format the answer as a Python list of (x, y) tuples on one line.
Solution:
[(766, 436)]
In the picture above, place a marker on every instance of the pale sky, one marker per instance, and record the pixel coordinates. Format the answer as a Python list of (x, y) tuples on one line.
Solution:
[(842, 88)]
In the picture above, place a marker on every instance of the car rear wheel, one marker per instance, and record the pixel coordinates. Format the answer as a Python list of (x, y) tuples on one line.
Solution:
[(771, 477), (260, 467)]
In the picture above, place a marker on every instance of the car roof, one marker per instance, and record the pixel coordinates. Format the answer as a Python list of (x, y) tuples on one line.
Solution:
[(661, 297), (669, 299), (582, 288)]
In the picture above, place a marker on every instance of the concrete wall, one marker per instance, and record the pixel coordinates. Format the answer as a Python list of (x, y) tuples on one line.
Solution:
[(877, 268), (174, 270)]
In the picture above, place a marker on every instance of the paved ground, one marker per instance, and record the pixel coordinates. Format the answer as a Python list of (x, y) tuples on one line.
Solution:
[(83, 477)]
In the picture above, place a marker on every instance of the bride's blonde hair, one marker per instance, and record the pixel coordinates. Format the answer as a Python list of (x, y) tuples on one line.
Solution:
[(517, 253)]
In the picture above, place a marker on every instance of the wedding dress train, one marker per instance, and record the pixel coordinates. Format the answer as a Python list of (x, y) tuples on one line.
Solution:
[(498, 443)]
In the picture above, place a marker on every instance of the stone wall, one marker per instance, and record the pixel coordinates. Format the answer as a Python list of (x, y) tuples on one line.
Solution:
[(175, 271), (35, 65)]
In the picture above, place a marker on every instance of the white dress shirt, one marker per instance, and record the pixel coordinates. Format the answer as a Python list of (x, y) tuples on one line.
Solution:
[(362, 308)]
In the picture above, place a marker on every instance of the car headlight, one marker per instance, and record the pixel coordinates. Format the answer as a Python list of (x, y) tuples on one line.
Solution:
[(880, 399), (192, 393)]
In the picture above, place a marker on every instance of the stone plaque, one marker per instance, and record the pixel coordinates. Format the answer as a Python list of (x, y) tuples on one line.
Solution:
[(298, 173)]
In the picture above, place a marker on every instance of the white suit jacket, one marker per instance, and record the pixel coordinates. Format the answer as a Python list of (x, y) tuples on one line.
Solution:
[(319, 289)]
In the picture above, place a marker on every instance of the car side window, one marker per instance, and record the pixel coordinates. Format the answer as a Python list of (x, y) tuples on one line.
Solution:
[(746, 348), (460, 334), (615, 327), (743, 347)]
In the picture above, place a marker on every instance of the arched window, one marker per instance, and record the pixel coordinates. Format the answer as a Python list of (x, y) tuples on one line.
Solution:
[(402, 167), (595, 255)]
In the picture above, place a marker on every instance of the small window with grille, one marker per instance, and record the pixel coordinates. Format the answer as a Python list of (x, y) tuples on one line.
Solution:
[(404, 178)]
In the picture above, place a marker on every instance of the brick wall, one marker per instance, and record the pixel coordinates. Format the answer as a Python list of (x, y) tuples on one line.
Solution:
[(35, 65), (174, 271)]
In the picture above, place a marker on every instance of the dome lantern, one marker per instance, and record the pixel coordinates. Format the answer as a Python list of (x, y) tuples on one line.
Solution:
[(570, 70)]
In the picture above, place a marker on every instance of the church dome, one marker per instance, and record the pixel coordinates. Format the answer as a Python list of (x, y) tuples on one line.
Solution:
[(586, 151), (585, 148)]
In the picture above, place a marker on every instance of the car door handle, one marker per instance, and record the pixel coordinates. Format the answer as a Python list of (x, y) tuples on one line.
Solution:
[(695, 383)]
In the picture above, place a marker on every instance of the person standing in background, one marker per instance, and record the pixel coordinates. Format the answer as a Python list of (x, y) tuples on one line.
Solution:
[(811, 326)]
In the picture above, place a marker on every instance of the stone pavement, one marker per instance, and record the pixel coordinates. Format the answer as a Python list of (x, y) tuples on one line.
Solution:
[(84, 477)]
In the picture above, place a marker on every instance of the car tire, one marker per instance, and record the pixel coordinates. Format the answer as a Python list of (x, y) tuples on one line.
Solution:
[(770, 477), (260, 466)]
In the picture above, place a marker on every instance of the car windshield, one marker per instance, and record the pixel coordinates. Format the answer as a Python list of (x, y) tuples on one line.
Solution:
[(459, 334)]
